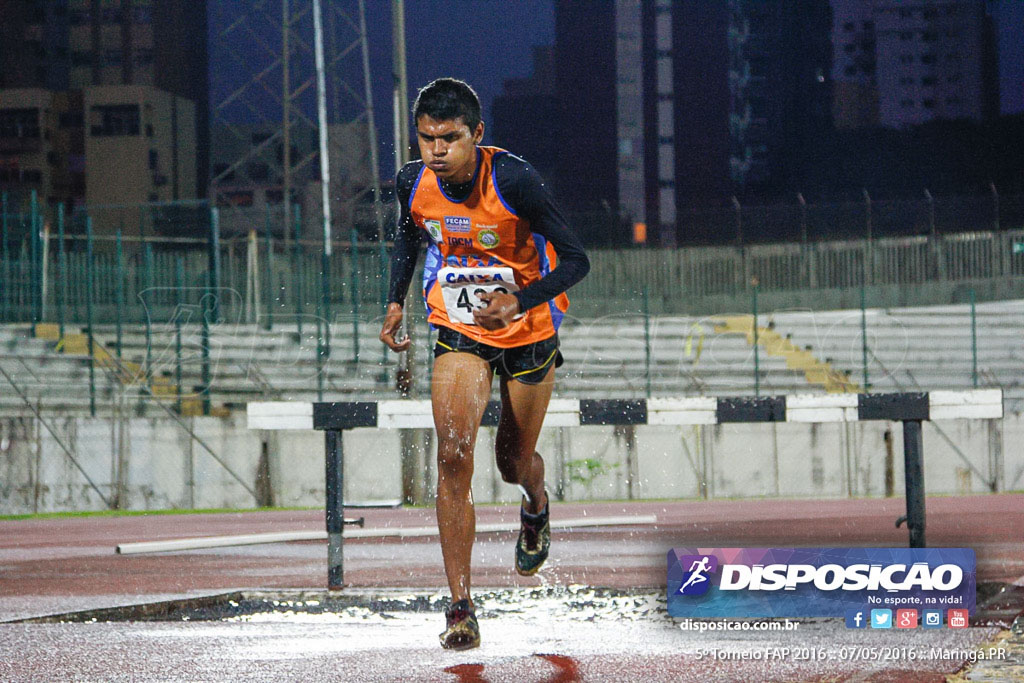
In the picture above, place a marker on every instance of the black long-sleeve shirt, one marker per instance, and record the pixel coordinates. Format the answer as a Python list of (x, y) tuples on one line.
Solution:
[(526, 193)]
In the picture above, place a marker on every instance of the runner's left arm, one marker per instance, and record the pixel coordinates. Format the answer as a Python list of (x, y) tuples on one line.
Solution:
[(528, 195)]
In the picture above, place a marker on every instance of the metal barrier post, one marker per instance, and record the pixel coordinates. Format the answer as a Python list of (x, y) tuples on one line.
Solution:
[(35, 291), (5, 290), (757, 354), (269, 279), (335, 461), (146, 317), (974, 342), (354, 268), (913, 472), (120, 291), (88, 314), (179, 289), (383, 275), (214, 277), (297, 271), (319, 352), (207, 311), (62, 265), (864, 336), (647, 340)]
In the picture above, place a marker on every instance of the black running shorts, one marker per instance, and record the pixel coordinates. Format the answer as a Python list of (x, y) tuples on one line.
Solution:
[(528, 364)]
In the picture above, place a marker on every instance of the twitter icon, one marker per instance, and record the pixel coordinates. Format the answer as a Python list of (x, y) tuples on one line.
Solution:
[(881, 618)]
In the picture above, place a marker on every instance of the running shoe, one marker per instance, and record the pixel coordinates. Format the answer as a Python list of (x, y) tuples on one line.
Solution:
[(463, 632), (534, 541)]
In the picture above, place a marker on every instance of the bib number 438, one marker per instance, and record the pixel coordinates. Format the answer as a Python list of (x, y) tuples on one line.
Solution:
[(461, 289)]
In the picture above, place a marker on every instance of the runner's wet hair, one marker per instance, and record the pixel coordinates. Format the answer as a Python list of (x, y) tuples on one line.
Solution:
[(447, 99)]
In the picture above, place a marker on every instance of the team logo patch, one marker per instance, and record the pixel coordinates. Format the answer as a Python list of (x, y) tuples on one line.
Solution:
[(488, 239), (456, 223), (434, 228)]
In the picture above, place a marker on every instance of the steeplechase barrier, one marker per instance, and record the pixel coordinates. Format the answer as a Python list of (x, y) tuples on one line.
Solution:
[(909, 408)]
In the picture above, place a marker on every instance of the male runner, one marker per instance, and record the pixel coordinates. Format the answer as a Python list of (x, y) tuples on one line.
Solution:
[(489, 286)]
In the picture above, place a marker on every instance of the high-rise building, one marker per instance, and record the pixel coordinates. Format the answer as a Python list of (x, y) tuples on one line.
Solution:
[(672, 105), (522, 116), (905, 63), (74, 45)]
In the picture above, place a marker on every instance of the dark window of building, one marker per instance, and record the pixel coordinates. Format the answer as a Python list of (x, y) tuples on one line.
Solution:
[(907, 104), (71, 119), (79, 18), (32, 175), (849, 47), (929, 36), (153, 159), (930, 13), (929, 104), (906, 12), (953, 99), (154, 197), (953, 78), (115, 119), (953, 57), (906, 80), (927, 59), (149, 130), (928, 80), (112, 15), (142, 15), (143, 56), (906, 59), (849, 26), (19, 123), (906, 35), (850, 70), (868, 25), (274, 197), (112, 57), (79, 58)]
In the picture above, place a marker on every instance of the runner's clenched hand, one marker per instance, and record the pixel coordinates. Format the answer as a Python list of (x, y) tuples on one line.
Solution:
[(500, 310), (392, 324)]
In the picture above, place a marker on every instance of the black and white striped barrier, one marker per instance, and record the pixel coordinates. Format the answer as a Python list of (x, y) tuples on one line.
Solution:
[(909, 408)]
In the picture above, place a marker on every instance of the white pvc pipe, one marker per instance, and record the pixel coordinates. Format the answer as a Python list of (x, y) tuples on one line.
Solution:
[(389, 532)]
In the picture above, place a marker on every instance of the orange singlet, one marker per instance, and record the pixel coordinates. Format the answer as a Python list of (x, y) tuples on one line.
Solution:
[(480, 244)]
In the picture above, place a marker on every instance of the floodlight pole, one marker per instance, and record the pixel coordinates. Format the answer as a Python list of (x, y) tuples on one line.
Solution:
[(404, 379), (325, 164)]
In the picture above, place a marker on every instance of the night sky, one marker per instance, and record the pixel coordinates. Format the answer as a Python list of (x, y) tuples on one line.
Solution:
[(487, 41)]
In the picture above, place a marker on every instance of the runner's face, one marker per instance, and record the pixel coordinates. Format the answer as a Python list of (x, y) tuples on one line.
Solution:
[(448, 147)]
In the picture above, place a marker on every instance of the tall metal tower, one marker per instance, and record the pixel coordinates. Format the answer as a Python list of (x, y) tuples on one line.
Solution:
[(265, 128)]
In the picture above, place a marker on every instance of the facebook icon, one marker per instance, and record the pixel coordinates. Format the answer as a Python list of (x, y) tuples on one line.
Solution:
[(855, 618)]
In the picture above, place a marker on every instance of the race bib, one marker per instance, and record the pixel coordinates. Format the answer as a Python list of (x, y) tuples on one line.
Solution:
[(462, 287)]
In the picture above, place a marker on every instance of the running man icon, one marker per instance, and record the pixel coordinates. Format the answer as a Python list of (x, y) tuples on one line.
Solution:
[(697, 570)]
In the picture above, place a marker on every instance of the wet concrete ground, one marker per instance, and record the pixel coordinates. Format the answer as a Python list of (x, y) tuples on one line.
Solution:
[(59, 566)]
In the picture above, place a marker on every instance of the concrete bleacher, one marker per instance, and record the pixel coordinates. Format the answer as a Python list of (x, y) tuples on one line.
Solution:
[(922, 347), (798, 352)]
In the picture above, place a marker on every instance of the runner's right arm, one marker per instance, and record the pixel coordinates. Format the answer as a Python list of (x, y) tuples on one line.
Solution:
[(407, 236)]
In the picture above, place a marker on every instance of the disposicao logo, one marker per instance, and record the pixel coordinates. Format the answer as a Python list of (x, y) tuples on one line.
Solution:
[(696, 581), (830, 582)]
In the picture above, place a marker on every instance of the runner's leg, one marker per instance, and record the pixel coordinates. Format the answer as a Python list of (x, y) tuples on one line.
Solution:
[(523, 407), (459, 392)]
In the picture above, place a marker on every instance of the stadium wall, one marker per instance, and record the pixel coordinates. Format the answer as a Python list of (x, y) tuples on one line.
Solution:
[(151, 464)]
